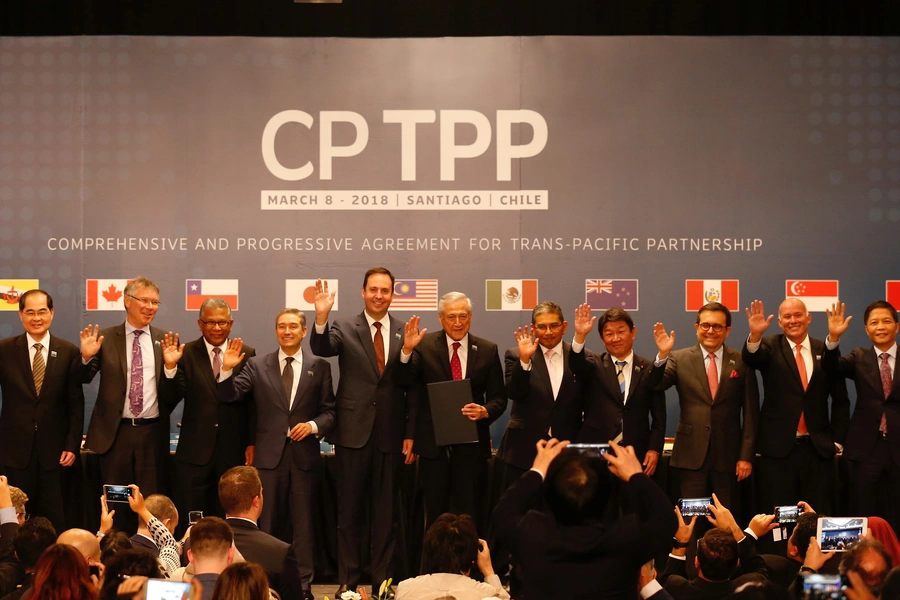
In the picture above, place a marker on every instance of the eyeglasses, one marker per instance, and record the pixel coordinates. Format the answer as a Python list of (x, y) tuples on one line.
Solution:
[(214, 324), (146, 301), (552, 327), (716, 327), (36, 313)]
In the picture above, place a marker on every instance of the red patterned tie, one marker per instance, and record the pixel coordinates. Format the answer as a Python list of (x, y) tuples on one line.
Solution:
[(885, 386), (712, 374), (801, 366), (379, 347), (455, 365)]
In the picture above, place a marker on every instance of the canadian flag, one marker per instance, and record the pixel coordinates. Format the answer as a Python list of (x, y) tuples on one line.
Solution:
[(105, 294), (817, 294)]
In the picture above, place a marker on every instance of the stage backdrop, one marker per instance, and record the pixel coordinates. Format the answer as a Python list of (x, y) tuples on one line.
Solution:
[(647, 173)]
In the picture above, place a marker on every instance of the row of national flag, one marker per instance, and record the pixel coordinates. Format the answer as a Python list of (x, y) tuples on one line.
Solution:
[(422, 294)]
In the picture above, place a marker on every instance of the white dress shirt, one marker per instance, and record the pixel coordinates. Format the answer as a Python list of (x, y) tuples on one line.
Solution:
[(148, 361)]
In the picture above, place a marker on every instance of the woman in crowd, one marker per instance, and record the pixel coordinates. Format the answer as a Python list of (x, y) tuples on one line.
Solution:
[(62, 574)]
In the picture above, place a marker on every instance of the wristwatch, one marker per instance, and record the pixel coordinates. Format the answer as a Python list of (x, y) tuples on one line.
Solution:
[(805, 569), (677, 544)]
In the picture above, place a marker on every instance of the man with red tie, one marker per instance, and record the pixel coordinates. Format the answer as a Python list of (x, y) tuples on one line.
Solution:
[(453, 477), (873, 440)]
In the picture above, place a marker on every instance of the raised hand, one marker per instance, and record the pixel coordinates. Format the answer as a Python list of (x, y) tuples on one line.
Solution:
[(584, 322), (837, 324), (756, 319), (324, 301), (527, 343), (411, 335), (172, 352), (91, 340), (664, 341), (233, 355)]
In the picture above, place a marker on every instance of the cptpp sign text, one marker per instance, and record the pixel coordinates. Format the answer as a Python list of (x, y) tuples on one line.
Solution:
[(409, 123)]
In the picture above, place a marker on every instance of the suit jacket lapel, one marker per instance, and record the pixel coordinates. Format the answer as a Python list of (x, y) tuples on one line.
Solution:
[(156, 339), (273, 371), (53, 348), (306, 374), (365, 338), (729, 359), (202, 360), (791, 359), (697, 357), (540, 371), (25, 360), (119, 347), (638, 366), (440, 343), (471, 358)]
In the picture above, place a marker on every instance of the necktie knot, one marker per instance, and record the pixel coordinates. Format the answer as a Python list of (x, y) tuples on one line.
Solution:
[(711, 356), (38, 347), (377, 324), (456, 345), (288, 360), (884, 357), (217, 351), (137, 333), (621, 363), (455, 363)]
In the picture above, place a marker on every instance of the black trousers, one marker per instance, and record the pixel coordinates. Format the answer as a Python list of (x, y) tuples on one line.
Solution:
[(198, 486), (43, 486), (454, 482), (289, 503), (875, 484), (136, 456), (802, 475), (368, 481)]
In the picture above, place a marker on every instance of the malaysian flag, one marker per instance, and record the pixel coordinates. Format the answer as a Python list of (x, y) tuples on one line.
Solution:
[(415, 294), (603, 294)]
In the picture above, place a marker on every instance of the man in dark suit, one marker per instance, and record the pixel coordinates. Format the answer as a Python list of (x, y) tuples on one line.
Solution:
[(797, 437), (452, 476), (128, 429), (873, 440), (241, 495), (716, 391), (540, 382), (372, 433), (620, 399), (215, 436), (43, 407), (568, 551), (294, 407)]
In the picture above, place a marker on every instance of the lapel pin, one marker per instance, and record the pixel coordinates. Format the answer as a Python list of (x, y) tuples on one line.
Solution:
[(158, 343), (474, 347), (818, 357), (637, 367), (53, 354), (397, 335), (310, 373), (731, 363)]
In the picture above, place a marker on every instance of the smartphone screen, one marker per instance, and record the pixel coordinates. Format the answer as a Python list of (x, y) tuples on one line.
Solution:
[(590, 449), (787, 514), (839, 534), (117, 493), (194, 516), (694, 507), (817, 586), (166, 589)]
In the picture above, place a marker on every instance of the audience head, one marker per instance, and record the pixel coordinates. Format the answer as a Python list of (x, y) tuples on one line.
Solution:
[(113, 543), (84, 541), (577, 487), (61, 572), (19, 498), (30, 541), (868, 558), (805, 528), (717, 555), (241, 493), (243, 580), (163, 509), (212, 546), (891, 586), (127, 562), (450, 545), (881, 530)]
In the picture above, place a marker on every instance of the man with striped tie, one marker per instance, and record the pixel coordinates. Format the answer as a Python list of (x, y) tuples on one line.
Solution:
[(620, 402), (43, 407)]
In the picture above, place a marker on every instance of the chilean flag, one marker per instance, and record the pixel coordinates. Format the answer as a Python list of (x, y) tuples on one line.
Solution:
[(199, 290)]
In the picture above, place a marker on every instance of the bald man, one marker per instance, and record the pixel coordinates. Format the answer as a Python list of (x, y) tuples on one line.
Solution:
[(797, 436), (84, 541)]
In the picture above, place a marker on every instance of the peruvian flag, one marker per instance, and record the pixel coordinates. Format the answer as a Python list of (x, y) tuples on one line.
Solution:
[(817, 294), (105, 294), (698, 292)]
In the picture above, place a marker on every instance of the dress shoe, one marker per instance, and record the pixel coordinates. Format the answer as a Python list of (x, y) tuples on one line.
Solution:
[(341, 589)]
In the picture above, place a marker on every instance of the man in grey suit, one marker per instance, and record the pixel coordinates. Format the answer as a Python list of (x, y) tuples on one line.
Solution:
[(716, 389), (128, 429), (373, 432), (294, 406)]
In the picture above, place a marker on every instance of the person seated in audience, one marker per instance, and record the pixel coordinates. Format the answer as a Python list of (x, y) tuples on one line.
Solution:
[(87, 544), (127, 564), (211, 551), (648, 586), (62, 573), (450, 548), (169, 555), (243, 581), (113, 543), (720, 553), (884, 533), (164, 510), (32, 538), (12, 515), (570, 551), (870, 560)]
